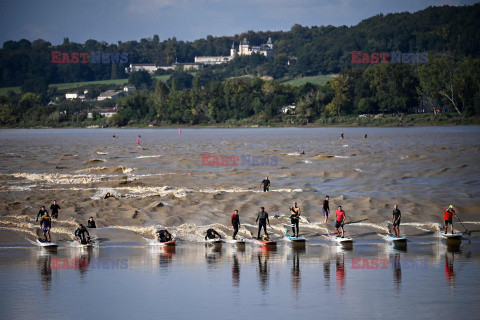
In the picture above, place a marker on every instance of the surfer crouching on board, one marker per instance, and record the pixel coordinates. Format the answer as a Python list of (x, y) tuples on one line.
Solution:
[(80, 234), (212, 234), (46, 223), (340, 220), (448, 217), (164, 236), (396, 215), (262, 219)]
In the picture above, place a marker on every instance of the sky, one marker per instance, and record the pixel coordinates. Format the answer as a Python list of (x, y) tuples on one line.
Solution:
[(123, 20)]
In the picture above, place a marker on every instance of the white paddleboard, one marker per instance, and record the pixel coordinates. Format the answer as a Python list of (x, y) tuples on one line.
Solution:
[(340, 239), (43, 243), (236, 241), (396, 239), (214, 241), (290, 238), (452, 236)]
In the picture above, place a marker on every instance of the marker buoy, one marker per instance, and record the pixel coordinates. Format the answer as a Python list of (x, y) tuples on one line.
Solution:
[(179, 130)]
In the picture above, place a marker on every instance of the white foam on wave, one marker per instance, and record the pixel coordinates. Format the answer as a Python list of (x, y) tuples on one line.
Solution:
[(102, 153), (307, 161), (342, 157), (153, 156), (60, 178), (293, 154), (22, 188)]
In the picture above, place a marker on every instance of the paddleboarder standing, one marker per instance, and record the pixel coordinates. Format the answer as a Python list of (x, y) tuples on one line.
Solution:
[(340, 220), (235, 221), (396, 215), (448, 217), (262, 219)]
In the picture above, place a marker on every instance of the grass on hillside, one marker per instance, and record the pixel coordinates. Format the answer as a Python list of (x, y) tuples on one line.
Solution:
[(320, 79), (73, 85)]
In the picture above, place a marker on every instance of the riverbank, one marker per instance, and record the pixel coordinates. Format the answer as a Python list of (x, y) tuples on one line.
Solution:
[(380, 120)]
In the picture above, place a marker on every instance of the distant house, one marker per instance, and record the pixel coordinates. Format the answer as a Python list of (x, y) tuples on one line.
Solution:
[(244, 49), (150, 67), (426, 106), (109, 94), (71, 96), (129, 89), (288, 109), (188, 65), (107, 112)]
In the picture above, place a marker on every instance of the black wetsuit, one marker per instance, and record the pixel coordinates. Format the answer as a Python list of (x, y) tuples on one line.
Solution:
[(91, 224), (262, 219), (80, 232), (211, 233), (235, 223), (326, 208), (266, 185), (396, 215), (294, 219), (54, 208), (40, 213), (163, 237)]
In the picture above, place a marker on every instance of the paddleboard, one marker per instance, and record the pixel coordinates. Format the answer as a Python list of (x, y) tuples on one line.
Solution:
[(295, 239), (168, 243), (43, 243), (452, 236), (340, 239), (392, 238), (265, 242), (236, 241), (213, 241)]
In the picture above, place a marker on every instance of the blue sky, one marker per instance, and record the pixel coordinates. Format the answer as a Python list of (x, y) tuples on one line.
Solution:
[(114, 20)]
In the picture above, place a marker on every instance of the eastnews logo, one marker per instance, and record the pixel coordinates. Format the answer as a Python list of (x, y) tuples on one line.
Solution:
[(64, 263), (82, 57), (396, 57), (359, 263), (246, 160)]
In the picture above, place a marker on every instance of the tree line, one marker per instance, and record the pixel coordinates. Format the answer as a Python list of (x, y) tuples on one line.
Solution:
[(187, 99), (301, 51)]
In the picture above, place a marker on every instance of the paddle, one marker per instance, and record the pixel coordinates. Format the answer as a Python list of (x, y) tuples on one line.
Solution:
[(466, 230)]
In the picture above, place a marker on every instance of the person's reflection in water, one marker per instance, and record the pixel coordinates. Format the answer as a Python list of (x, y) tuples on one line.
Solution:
[(83, 261), (397, 272), (235, 272), (449, 272), (45, 265), (296, 279), (212, 254), (326, 272), (166, 256), (340, 272), (263, 270)]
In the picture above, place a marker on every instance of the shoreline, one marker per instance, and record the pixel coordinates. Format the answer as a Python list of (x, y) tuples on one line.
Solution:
[(370, 121)]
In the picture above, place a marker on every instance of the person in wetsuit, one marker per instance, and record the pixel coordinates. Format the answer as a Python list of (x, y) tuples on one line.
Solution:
[(262, 219), (91, 223), (80, 234), (163, 236), (212, 234), (46, 224), (396, 216), (266, 184), (235, 220), (295, 219), (41, 213), (448, 217), (326, 208), (55, 208)]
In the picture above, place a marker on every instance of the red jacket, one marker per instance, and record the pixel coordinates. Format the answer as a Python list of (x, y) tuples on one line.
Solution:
[(448, 215)]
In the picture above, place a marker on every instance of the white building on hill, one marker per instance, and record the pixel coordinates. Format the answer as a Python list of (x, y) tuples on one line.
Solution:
[(244, 49)]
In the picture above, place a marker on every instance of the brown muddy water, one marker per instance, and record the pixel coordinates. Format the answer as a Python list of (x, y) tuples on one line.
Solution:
[(166, 182)]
